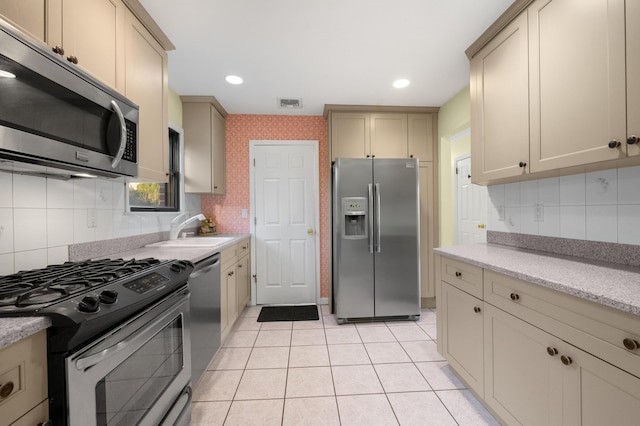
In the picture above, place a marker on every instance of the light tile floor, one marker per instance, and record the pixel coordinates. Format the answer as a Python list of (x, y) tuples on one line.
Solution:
[(321, 373)]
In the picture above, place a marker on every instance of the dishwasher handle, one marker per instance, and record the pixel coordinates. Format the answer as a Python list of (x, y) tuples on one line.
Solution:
[(206, 265)]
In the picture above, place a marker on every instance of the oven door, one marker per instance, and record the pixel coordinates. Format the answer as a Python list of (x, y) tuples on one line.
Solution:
[(138, 374)]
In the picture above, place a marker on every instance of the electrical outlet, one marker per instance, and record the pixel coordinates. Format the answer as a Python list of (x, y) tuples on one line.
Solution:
[(244, 213), (92, 218), (501, 213), (538, 213)]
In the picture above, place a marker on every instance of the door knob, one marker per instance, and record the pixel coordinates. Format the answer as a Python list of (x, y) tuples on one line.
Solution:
[(310, 231), (481, 226)]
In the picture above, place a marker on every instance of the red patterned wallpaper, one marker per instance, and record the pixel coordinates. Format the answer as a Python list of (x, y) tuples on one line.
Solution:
[(227, 209)]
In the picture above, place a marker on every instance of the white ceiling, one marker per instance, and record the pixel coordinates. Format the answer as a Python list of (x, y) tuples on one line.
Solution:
[(323, 51)]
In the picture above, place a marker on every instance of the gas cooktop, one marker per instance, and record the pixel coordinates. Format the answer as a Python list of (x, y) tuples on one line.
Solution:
[(88, 297)]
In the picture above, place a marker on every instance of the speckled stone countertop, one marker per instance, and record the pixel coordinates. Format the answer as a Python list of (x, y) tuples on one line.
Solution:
[(612, 285), (14, 329)]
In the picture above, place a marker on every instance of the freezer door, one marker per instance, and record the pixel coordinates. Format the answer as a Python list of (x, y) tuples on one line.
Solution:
[(397, 248), (352, 255)]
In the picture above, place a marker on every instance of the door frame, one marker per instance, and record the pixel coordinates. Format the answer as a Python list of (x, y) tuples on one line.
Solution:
[(316, 202)]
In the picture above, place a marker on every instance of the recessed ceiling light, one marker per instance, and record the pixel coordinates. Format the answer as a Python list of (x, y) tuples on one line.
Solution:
[(233, 79), (399, 84), (6, 74)]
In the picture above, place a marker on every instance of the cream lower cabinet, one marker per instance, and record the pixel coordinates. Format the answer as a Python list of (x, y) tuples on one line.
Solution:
[(235, 284), (463, 342), (540, 356), (533, 377), (23, 382)]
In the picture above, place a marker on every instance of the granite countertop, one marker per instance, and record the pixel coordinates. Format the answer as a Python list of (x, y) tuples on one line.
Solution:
[(14, 329), (608, 284)]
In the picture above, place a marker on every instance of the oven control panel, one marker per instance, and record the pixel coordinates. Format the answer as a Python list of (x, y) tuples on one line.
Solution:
[(147, 283)]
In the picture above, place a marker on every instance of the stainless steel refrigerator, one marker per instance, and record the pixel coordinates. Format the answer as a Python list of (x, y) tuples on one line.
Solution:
[(376, 245)]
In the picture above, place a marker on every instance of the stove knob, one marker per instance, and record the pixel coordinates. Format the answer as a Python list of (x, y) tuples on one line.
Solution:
[(108, 297), (89, 304), (175, 267)]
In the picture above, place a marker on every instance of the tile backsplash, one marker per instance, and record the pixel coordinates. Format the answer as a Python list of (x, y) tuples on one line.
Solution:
[(41, 217), (598, 206)]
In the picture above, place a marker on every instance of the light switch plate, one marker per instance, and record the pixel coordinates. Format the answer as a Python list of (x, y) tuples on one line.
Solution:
[(244, 213)]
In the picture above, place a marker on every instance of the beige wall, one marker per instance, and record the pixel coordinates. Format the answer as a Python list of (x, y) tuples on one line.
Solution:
[(175, 108), (454, 118)]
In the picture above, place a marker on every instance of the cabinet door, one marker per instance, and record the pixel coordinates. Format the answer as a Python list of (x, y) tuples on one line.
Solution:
[(350, 135), (197, 146), (633, 76), (427, 277), (244, 282), (577, 82), (420, 136), (29, 15), (146, 85), (92, 32), (224, 306), (231, 282), (218, 153), (389, 135), (523, 383), (500, 105), (463, 337)]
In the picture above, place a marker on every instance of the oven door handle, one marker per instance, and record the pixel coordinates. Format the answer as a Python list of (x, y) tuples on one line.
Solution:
[(91, 360)]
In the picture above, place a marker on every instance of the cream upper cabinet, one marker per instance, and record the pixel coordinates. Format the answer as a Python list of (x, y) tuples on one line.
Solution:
[(350, 135), (388, 135), (500, 105), (633, 77), (204, 146), (88, 33), (577, 82), (420, 136), (29, 15), (146, 85)]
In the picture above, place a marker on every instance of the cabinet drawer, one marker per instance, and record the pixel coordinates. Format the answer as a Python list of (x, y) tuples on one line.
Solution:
[(24, 364), (229, 256), (243, 248), (597, 329), (463, 276)]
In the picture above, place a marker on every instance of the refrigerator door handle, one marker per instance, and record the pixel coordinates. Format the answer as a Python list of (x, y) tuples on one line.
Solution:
[(370, 221), (377, 232)]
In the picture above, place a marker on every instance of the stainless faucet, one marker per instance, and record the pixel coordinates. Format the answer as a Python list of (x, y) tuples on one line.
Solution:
[(176, 225)]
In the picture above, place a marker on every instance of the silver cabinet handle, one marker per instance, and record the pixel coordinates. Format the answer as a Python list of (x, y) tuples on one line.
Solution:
[(370, 221), (123, 135), (377, 218)]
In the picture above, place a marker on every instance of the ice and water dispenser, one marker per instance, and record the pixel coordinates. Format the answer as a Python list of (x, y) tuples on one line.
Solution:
[(354, 218)]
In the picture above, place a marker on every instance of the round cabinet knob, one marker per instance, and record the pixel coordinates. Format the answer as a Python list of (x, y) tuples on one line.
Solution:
[(458, 274), (566, 360), (477, 309), (58, 49), (72, 59), (522, 164), (6, 389), (614, 144), (108, 297), (411, 156), (552, 351), (631, 344), (633, 139), (89, 305), (514, 296)]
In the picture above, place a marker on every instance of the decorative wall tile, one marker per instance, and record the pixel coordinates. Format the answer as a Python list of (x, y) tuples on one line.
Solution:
[(572, 190), (629, 185), (6, 230), (104, 229), (628, 227), (528, 193), (104, 194), (6, 183), (227, 209), (6, 264), (59, 227), (512, 194), (81, 232), (59, 194), (573, 222), (32, 259), (57, 255), (550, 226), (602, 187), (549, 191), (602, 223), (84, 194)]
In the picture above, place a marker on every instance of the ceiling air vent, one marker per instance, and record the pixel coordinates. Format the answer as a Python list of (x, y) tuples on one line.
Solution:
[(290, 103)]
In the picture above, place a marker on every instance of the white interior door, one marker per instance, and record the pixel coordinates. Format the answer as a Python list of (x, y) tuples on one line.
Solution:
[(285, 208), (471, 205)]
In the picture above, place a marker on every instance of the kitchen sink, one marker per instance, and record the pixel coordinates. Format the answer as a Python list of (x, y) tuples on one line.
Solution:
[(192, 242)]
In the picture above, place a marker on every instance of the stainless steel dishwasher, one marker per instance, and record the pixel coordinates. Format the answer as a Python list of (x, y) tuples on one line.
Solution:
[(204, 284)]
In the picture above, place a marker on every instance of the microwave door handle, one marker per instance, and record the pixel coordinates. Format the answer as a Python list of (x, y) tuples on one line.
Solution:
[(123, 135)]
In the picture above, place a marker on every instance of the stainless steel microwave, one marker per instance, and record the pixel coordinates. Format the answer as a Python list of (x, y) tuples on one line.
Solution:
[(53, 114)]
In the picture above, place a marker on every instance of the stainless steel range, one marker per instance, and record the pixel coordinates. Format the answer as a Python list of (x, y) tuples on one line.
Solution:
[(118, 350)]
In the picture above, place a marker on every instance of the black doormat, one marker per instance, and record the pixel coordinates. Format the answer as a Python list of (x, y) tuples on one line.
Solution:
[(288, 313)]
